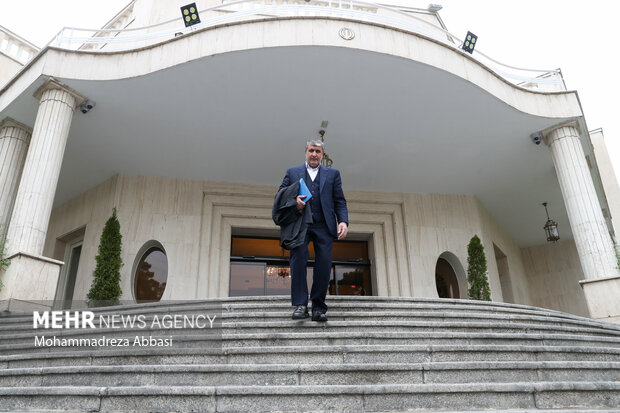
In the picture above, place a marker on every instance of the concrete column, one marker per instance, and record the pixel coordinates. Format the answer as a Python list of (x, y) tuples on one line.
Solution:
[(594, 245), (30, 276), (35, 196), (14, 141)]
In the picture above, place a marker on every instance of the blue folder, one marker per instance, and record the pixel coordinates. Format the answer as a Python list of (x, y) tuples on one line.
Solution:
[(303, 190)]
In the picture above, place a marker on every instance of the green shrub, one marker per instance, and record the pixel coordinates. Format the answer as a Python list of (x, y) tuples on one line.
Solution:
[(106, 288), (477, 271)]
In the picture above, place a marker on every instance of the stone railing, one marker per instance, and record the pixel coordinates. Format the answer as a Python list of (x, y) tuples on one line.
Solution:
[(15, 47)]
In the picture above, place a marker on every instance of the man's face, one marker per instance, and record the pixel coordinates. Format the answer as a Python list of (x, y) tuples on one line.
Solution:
[(314, 155)]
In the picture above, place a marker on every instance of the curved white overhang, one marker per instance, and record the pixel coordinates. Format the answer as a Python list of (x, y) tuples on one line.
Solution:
[(236, 103), (296, 31)]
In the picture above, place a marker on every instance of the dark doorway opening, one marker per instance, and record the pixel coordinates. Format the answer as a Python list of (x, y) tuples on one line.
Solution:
[(446, 281)]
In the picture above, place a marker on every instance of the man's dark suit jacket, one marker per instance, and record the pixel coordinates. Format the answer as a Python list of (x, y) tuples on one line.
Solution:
[(333, 202)]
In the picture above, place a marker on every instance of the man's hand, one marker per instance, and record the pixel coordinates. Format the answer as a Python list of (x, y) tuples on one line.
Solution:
[(343, 228), (300, 204)]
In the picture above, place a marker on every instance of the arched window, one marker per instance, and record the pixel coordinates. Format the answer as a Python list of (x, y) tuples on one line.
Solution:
[(150, 272)]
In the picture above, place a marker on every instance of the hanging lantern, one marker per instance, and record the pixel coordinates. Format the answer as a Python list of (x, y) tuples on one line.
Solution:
[(326, 161), (551, 227)]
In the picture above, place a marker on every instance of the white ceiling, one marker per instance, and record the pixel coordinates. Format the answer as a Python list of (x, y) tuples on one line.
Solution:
[(395, 125)]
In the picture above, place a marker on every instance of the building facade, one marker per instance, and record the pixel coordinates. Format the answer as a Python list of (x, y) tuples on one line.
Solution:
[(187, 132)]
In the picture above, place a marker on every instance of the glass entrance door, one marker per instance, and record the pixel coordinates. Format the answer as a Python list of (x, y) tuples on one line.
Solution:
[(68, 275), (351, 280), (259, 266)]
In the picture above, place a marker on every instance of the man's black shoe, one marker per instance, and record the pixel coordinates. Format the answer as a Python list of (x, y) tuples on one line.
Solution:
[(300, 312), (319, 316)]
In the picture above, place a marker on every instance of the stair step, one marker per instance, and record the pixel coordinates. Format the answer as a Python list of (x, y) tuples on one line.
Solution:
[(321, 336), (423, 317), (326, 354), (357, 398), (249, 327), (282, 303), (311, 374)]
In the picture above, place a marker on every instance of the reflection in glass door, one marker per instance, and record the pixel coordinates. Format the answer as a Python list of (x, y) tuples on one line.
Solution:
[(260, 278), (352, 280), (249, 278)]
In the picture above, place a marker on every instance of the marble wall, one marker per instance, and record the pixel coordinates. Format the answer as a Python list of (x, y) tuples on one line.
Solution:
[(553, 272)]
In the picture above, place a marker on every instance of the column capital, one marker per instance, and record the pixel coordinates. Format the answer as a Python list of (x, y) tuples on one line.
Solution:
[(53, 84), (549, 136), (12, 123)]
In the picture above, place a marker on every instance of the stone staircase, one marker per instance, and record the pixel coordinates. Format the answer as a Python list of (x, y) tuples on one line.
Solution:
[(374, 355)]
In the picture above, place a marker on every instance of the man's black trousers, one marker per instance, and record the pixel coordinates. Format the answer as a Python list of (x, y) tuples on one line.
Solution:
[(320, 236)]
